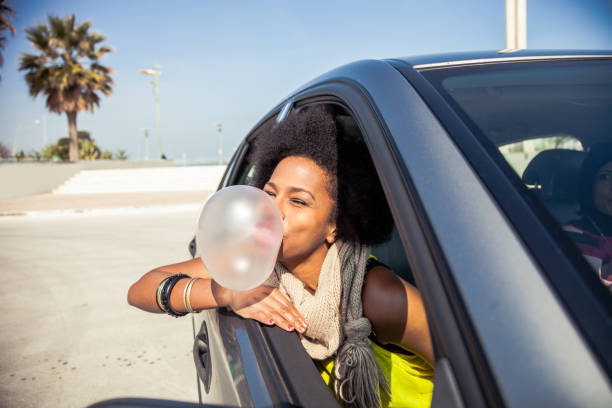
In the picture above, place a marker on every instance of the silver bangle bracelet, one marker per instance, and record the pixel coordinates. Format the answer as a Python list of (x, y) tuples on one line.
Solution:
[(187, 295)]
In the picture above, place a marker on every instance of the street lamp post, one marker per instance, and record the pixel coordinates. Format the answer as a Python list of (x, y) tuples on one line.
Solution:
[(21, 125), (147, 147), (155, 73), (516, 26), (44, 126), (219, 126)]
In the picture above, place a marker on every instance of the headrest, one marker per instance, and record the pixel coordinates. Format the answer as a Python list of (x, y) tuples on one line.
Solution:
[(553, 174)]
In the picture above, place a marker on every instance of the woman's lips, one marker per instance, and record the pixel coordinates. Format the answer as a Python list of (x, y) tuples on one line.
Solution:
[(263, 234)]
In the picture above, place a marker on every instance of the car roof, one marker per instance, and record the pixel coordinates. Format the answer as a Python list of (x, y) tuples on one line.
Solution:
[(476, 57), (357, 70)]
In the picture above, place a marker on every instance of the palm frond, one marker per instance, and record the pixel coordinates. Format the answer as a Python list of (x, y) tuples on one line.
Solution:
[(95, 67), (5, 14), (5, 24), (81, 30), (56, 26)]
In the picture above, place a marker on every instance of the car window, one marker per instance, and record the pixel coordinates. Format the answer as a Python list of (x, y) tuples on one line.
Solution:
[(390, 252), (545, 120), (245, 172)]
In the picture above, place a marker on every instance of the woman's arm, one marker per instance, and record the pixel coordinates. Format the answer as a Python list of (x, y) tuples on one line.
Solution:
[(142, 293), (263, 303), (396, 311)]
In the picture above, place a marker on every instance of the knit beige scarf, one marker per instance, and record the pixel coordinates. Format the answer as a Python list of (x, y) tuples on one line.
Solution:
[(336, 325)]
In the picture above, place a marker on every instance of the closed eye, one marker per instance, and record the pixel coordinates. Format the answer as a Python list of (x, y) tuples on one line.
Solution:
[(298, 201)]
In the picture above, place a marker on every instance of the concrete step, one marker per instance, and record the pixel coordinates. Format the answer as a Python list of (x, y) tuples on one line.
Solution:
[(190, 178)]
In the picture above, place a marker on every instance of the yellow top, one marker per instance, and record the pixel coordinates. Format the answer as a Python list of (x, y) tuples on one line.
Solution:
[(410, 377)]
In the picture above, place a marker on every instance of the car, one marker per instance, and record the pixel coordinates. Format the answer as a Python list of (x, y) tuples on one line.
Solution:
[(470, 149)]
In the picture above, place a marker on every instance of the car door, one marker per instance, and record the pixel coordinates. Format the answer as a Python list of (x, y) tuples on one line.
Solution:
[(285, 355)]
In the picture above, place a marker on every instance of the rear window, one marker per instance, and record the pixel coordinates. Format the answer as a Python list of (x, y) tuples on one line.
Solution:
[(551, 122)]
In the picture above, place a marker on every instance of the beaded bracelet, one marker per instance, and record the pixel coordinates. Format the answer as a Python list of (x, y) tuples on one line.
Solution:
[(167, 290)]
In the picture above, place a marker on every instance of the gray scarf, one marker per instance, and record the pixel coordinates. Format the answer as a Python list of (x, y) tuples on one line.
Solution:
[(336, 325)]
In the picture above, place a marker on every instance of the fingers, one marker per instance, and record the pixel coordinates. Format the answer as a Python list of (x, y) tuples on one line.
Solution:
[(285, 321), (278, 310), (269, 306), (270, 317), (287, 313)]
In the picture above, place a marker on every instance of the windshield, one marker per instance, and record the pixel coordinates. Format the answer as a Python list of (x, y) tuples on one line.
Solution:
[(552, 123)]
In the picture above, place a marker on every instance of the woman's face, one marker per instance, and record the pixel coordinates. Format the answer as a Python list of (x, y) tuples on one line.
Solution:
[(602, 189), (298, 186)]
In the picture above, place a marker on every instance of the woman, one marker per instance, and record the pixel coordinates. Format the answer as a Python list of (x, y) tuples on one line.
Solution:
[(592, 233), (324, 285)]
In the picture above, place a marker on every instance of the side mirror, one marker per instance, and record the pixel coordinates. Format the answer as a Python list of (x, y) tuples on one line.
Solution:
[(192, 247)]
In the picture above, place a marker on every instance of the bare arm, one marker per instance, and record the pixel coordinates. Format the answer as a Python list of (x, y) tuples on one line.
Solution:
[(263, 303), (142, 293), (396, 311)]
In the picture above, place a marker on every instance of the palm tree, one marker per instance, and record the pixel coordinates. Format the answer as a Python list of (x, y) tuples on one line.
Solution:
[(58, 70), (5, 24)]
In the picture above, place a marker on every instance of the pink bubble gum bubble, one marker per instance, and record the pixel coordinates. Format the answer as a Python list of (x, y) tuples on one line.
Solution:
[(239, 234)]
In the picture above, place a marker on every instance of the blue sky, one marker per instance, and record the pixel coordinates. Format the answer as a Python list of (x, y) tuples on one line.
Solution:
[(232, 61)]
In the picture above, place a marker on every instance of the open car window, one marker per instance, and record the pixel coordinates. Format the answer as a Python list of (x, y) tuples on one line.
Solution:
[(391, 252)]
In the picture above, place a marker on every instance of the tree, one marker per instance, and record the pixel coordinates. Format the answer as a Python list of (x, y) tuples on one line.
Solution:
[(5, 153), (5, 24), (58, 71), (88, 149)]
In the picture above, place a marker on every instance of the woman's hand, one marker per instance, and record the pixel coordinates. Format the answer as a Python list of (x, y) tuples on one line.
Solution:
[(265, 304)]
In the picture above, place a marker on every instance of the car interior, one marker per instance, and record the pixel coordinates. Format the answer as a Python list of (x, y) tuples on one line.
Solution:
[(391, 253), (553, 176)]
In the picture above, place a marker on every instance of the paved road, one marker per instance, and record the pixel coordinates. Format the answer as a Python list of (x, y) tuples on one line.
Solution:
[(67, 336)]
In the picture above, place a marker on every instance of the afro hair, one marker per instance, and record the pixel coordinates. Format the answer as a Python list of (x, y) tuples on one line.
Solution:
[(361, 212)]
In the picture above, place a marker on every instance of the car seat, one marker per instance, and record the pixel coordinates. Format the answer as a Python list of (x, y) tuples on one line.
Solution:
[(391, 253), (553, 176)]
